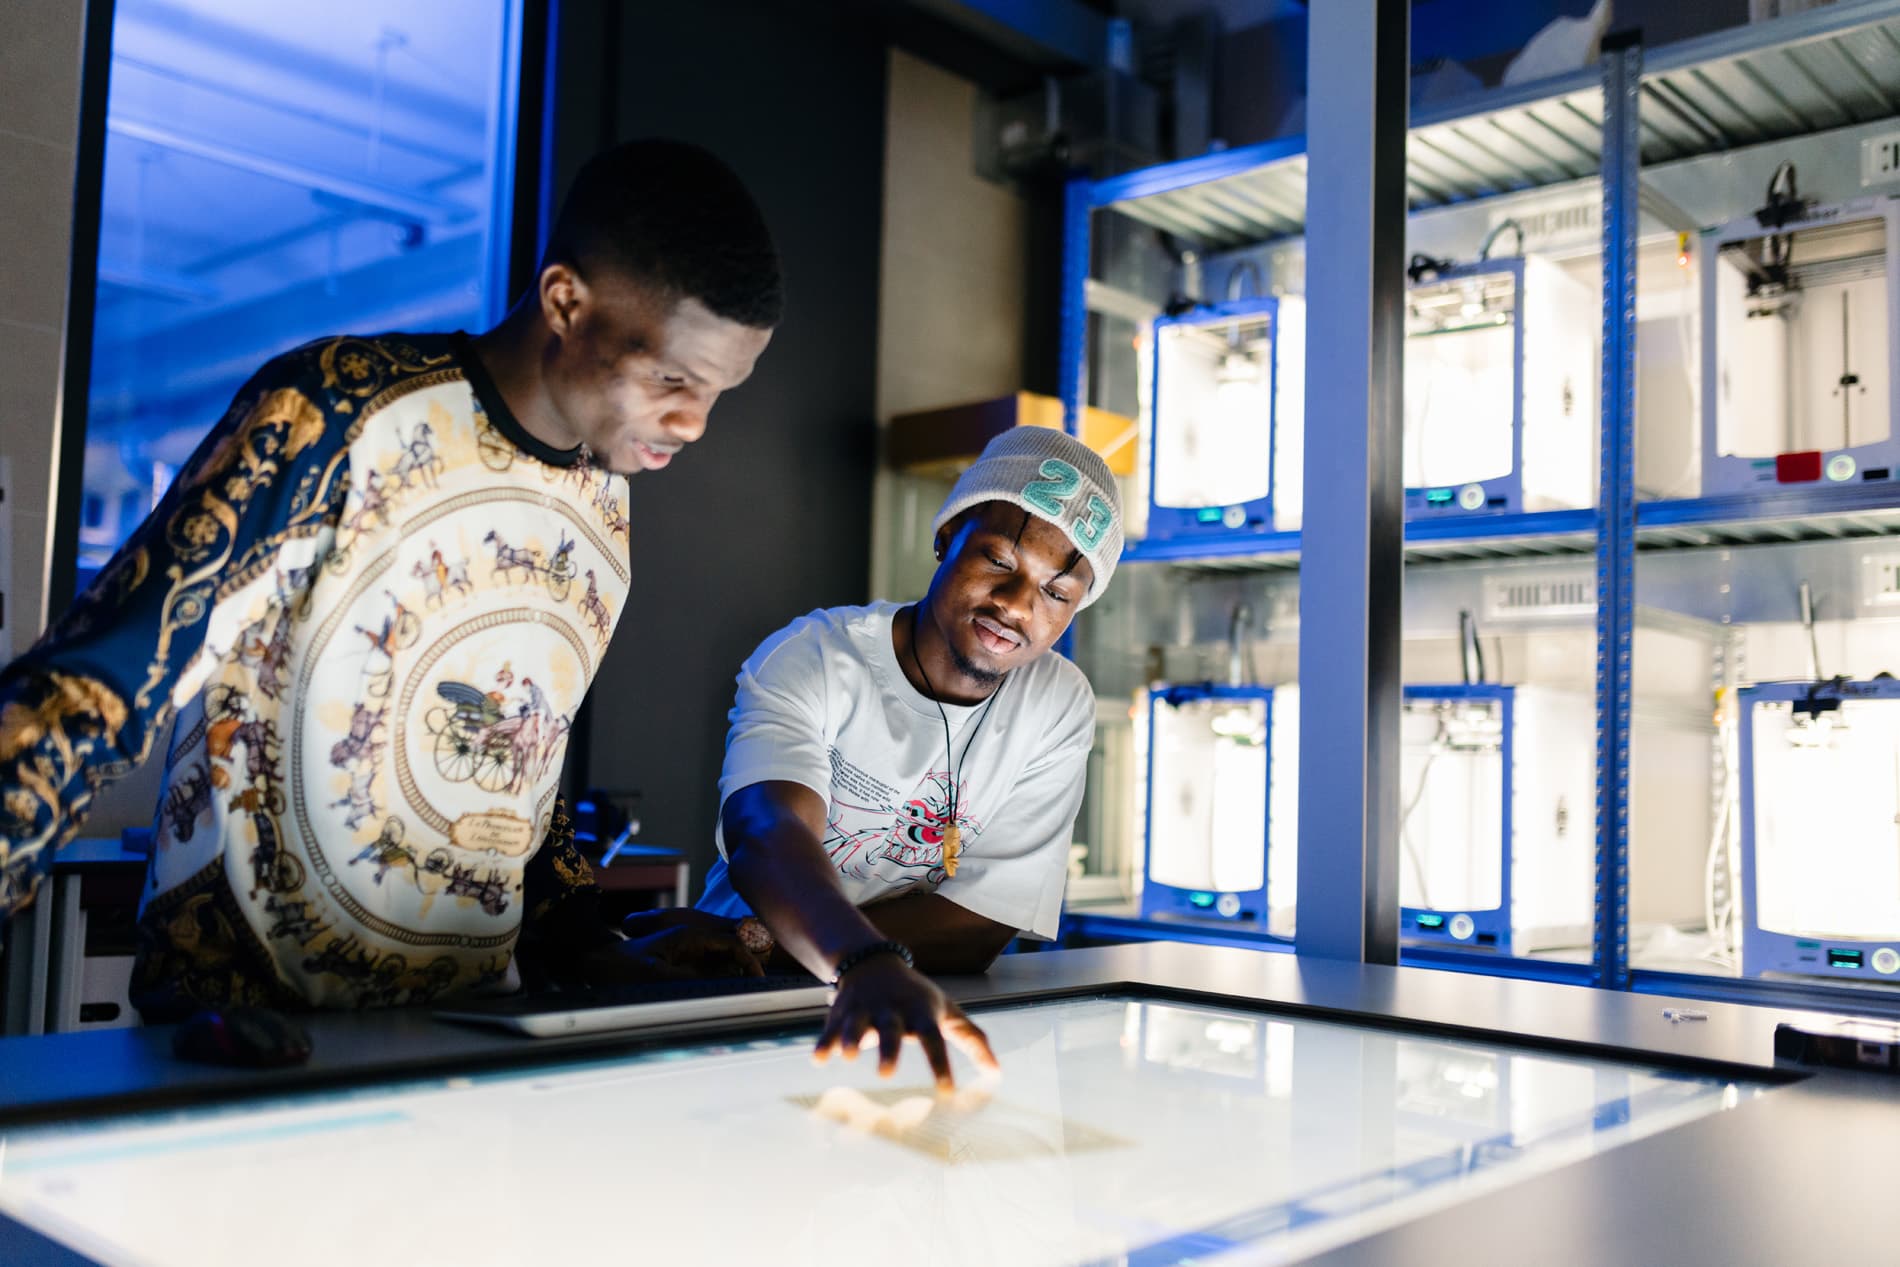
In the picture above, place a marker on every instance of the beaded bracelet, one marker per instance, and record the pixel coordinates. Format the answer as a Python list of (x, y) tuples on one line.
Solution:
[(871, 951)]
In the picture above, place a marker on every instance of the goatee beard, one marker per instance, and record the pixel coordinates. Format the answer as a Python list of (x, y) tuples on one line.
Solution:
[(986, 678)]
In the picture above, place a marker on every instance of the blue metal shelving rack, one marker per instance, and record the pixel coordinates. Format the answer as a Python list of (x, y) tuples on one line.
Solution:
[(1828, 68)]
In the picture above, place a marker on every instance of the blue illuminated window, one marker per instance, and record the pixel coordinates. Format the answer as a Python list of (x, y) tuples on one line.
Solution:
[(275, 173)]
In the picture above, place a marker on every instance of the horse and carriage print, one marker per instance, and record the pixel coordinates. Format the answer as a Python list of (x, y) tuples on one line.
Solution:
[(501, 740), (471, 526)]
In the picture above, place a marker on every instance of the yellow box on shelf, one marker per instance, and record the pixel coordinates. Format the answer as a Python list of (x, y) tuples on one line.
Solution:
[(941, 442)]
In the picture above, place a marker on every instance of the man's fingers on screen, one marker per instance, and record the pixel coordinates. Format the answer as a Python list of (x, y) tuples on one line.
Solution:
[(856, 1026), (975, 1044), (930, 1038), (936, 1023), (828, 1037), (890, 1041)]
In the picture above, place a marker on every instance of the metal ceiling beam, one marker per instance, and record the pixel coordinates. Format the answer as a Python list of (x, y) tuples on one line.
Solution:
[(164, 283), (365, 193), (250, 38), (356, 129)]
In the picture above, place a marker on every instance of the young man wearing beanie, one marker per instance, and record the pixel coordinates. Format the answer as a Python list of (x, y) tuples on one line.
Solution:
[(901, 782)]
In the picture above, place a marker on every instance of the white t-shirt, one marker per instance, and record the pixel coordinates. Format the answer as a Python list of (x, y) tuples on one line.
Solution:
[(823, 703)]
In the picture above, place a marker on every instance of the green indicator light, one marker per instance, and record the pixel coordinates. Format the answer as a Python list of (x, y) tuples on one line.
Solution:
[(1209, 515), (1438, 497), (1843, 958), (1807, 945), (1430, 921), (1202, 900)]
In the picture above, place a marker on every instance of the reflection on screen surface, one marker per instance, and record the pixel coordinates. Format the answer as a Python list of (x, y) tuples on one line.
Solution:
[(1120, 1127)]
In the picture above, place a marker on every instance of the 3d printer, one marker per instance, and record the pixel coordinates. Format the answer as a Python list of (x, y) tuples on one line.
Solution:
[(1820, 839), (1500, 387), (1800, 314), (1496, 845), (1225, 384), (1222, 767)]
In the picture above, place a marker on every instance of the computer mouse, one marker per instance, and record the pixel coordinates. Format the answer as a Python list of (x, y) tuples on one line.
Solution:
[(243, 1036)]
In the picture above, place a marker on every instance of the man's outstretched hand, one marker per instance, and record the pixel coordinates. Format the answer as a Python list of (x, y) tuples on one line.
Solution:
[(886, 998)]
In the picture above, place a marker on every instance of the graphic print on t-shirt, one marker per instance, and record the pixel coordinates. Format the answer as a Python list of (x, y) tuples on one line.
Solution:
[(873, 835)]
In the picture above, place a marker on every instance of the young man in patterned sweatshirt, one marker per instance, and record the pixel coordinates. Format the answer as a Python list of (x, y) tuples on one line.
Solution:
[(372, 601)]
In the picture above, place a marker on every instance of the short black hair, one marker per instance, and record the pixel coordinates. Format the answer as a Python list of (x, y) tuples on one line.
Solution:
[(673, 216)]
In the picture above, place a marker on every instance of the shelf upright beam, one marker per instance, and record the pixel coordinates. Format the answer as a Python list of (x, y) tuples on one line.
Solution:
[(1072, 322), (1352, 539), (1073, 309), (1616, 507)]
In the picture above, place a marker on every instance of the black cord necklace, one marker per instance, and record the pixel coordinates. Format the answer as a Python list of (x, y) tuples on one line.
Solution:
[(952, 834)]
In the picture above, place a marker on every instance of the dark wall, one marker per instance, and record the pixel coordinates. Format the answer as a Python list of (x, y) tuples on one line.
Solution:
[(768, 516)]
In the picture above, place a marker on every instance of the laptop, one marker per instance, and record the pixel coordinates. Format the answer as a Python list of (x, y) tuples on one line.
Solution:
[(599, 1009)]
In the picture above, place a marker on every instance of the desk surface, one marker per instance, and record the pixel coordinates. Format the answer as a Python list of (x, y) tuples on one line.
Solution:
[(1799, 1173)]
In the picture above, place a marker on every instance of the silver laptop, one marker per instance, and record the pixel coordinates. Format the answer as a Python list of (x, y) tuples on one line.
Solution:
[(597, 1009)]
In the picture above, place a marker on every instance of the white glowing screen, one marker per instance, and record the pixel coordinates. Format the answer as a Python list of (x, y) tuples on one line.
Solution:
[(1460, 402), (1827, 820), (1451, 812), (1121, 1130), (1213, 432), (1289, 415), (1208, 795)]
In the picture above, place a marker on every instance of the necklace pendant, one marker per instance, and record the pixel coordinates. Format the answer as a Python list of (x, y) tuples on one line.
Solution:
[(952, 845)]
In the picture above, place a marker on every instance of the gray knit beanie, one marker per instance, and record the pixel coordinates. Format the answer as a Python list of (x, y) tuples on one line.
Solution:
[(1053, 476)]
